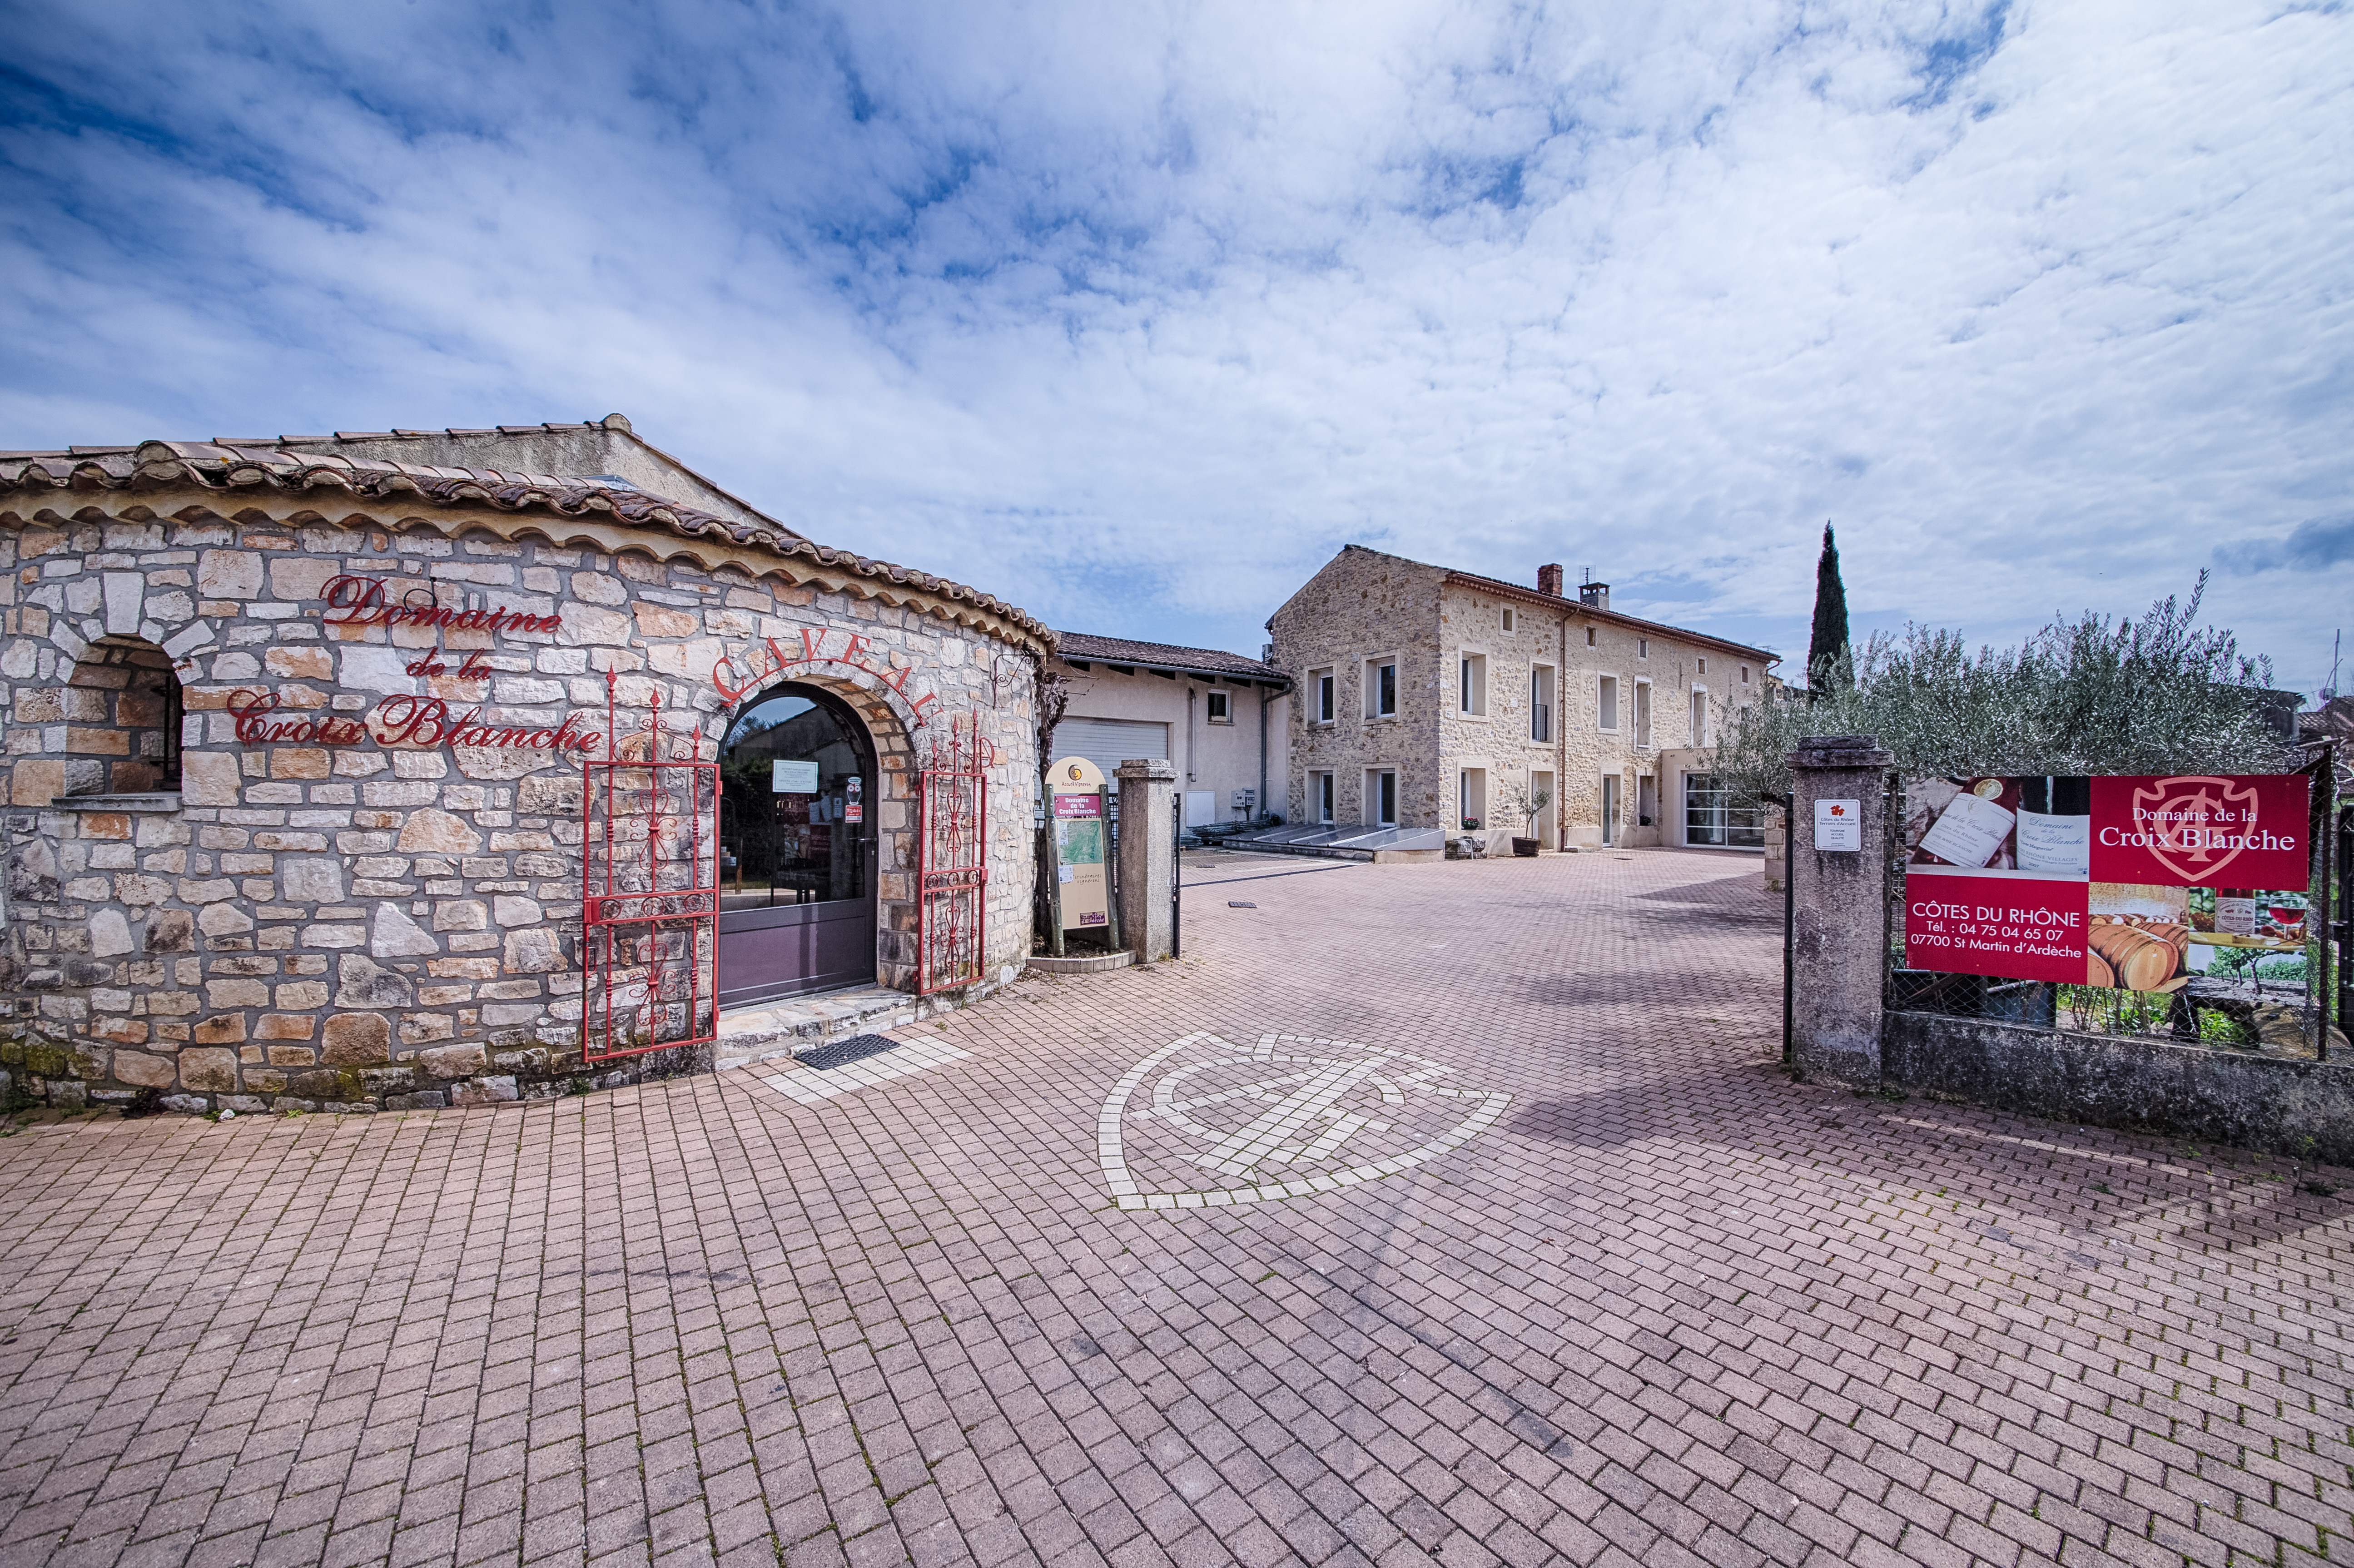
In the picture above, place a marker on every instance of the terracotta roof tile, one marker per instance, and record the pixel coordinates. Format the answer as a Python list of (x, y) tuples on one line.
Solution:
[(228, 465)]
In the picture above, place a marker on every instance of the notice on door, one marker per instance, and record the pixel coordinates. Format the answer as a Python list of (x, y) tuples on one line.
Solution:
[(787, 777), (1082, 890)]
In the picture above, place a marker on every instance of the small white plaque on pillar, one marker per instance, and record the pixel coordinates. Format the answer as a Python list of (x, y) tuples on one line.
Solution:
[(1839, 824)]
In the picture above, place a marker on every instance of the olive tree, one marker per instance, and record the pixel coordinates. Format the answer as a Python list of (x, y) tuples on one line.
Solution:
[(2154, 694)]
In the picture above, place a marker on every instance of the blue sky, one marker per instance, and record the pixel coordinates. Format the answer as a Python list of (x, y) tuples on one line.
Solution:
[(1135, 314)]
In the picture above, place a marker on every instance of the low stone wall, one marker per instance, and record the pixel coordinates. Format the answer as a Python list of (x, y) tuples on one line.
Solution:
[(2304, 1109)]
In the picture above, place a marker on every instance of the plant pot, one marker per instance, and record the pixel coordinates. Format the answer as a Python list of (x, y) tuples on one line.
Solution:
[(1526, 848)]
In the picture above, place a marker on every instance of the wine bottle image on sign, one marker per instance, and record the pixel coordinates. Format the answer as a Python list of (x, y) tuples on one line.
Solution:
[(2055, 825)]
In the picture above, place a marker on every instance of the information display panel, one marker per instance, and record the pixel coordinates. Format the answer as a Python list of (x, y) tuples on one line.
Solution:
[(2135, 882)]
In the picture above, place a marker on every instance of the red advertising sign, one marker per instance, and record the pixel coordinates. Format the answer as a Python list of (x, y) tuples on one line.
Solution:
[(2135, 883), (2016, 927), (2202, 831)]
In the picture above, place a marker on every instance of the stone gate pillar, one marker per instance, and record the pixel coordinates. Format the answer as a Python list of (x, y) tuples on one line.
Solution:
[(1148, 856), (1838, 928)]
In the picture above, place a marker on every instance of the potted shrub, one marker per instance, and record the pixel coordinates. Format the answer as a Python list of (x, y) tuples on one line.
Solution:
[(1527, 804)]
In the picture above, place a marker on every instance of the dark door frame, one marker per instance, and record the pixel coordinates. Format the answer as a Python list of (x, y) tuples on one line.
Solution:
[(805, 948)]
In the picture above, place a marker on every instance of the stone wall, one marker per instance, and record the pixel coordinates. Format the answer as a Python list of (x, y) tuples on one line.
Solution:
[(1364, 603), (355, 925), (2304, 1109)]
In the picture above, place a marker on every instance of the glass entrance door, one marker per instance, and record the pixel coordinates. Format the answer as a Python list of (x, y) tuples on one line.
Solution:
[(796, 849)]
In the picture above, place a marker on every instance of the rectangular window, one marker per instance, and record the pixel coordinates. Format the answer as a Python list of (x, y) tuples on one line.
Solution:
[(1381, 688), (1508, 619), (1745, 675), (1709, 819), (1700, 718), (1319, 797), (1381, 798), (1474, 693), (1322, 680), (1700, 667), (1471, 797), (1540, 703), (1642, 648), (1220, 707), (1606, 708), (1642, 713), (1589, 637)]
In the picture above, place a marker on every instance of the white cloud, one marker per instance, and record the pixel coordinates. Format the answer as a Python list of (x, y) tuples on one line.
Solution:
[(1134, 316)]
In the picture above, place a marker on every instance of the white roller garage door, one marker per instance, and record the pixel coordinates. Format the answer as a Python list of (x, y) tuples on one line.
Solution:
[(1107, 743)]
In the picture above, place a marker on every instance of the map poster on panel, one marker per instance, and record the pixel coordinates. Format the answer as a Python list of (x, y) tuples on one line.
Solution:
[(2129, 882), (1081, 891)]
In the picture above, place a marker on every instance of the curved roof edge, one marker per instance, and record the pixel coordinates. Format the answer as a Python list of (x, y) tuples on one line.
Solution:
[(158, 465)]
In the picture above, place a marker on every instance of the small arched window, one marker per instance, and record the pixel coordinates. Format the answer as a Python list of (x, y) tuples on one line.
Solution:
[(123, 710)]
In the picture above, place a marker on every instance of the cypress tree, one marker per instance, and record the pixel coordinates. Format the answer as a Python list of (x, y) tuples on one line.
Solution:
[(1829, 638)]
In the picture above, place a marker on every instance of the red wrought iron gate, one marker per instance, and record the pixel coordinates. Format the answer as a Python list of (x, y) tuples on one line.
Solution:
[(952, 859), (649, 895)]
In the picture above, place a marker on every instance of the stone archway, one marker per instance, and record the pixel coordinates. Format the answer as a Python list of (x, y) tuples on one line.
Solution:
[(892, 736)]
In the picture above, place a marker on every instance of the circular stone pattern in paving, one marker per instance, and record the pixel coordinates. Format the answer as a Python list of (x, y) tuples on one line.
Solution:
[(1201, 1123)]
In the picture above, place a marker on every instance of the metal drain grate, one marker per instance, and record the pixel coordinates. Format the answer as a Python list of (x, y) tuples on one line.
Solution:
[(841, 1051)]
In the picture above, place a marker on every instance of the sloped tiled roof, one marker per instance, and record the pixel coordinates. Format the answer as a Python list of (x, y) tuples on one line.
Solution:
[(1078, 645), (228, 466), (1560, 601)]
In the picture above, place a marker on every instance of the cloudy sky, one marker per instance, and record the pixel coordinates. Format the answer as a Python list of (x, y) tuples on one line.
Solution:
[(1135, 313)]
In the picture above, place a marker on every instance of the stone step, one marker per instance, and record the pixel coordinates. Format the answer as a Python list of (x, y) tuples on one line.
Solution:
[(786, 1028)]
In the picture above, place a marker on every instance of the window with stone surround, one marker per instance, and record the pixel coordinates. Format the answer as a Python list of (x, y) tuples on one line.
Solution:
[(1321, 681), (1218, 707), (1540, 703), (1605, 707), (113, 728), (1381, 687), (1643, 714), (1472, 693), (1381, 797), (1319, 797)]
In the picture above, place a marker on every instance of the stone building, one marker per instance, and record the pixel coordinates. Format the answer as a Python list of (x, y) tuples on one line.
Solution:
[(1429, 697), (1219, 718), (294, 745)]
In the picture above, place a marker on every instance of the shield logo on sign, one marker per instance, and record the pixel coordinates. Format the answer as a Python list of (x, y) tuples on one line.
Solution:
[(2182, 816), (1201, 1123)]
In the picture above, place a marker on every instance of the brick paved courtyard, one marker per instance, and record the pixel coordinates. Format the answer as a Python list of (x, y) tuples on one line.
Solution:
[(1661, 1306)]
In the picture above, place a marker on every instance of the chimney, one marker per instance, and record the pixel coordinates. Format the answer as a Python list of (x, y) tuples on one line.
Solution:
[(1549, 580), (1594, 596)]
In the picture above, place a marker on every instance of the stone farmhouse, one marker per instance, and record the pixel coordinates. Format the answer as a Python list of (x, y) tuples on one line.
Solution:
[(1429, 697)]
